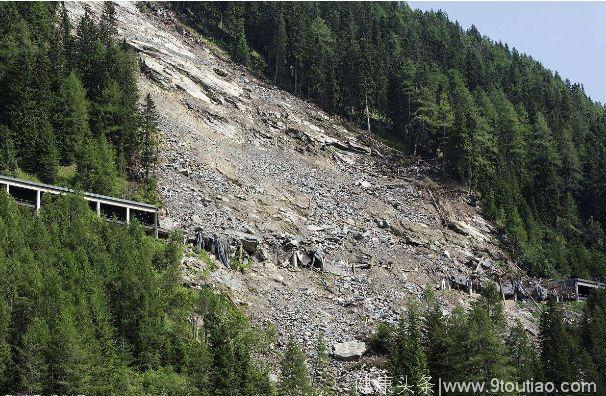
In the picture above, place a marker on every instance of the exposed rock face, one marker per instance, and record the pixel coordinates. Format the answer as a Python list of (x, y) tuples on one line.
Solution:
[(244, 160), (249, 242), (349, 350)]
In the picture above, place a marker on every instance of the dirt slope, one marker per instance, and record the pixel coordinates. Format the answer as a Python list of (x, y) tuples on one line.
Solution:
[(239, 155)]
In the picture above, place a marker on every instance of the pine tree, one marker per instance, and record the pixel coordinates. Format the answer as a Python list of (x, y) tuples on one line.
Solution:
[(6, 364), (510, 132), (280, 41), (71, 119), (592, 336), (425, 122), (234, 27), (445, 120), (492, 302), (149, 137), (294, 377), (408, 363), (107, 26), (325, 383), (95, 166), (487, 357), (436, 340), (8, 160), (33, 369), (67, 41), (557, 346), (543, 166), (319, 52), (523, 354), (46, 154), (109, 115), (90, 54)]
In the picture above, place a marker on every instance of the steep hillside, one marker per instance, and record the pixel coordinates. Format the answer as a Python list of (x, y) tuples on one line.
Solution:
[(243, 160), (527, 141)]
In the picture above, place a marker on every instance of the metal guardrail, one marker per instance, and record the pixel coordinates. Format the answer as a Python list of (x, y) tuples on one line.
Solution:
[(28, 193)]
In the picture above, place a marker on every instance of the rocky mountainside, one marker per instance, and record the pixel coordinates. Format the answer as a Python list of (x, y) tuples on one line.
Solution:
[(340, 231)]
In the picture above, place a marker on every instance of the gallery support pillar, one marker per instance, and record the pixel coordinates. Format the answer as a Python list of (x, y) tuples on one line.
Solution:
[(38, 201), (156, 224)]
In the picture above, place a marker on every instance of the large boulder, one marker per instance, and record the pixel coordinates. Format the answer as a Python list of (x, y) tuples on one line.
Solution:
[(349, 350)]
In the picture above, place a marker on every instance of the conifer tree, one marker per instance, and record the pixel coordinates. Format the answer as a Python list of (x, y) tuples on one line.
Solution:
[(492, 302), (294, 376), (67, 41), (6, 364), (8, 160), (592, 336), (46, 161), (324, 381), (408, 363), (557, 346), (33, 369), (487, 357), (425, 122), (279, 47), (436, 340), (95, 166), (72, 119), (90, 53), (234, 26), (523, 355), (149, 136), (107, 26), (543, 166)]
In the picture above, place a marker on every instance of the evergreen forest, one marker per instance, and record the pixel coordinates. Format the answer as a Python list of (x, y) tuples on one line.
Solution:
[(70, 111)]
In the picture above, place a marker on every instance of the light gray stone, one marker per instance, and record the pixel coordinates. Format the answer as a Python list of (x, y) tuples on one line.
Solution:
[(349, 350)]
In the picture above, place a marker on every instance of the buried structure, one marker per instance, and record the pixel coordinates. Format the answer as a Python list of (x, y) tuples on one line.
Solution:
[(516, 289)]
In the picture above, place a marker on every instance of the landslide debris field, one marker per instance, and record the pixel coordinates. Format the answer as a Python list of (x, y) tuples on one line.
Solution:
[(339, 230)]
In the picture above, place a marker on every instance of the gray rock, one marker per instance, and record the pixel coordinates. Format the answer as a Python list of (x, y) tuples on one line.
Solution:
[(349, 350), (249, 242)]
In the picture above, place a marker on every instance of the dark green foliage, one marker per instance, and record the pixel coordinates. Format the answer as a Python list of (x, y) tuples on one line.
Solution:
[(522, 353), (593, 337), (531, 145), (149, 137), (476, 346), (95, 166), (89, 307), (379, 340), (231, 369), (485, 348), (559, 348), (437, 341), (71, 123), (58, 92), (465, 346), (407, 360), (294, 375), (8, 159), (44, 160)]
